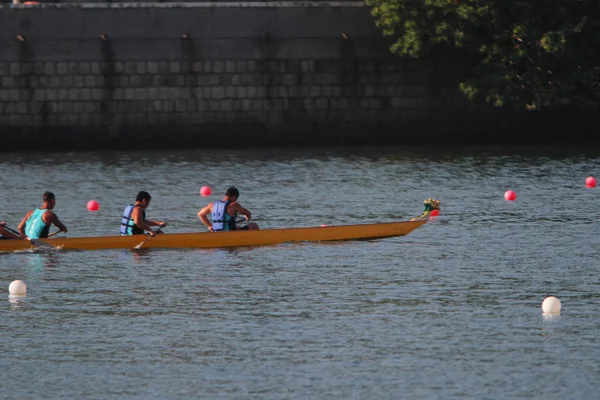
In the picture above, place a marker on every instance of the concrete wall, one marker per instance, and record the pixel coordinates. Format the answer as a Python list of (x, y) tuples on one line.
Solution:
[(88, 75)]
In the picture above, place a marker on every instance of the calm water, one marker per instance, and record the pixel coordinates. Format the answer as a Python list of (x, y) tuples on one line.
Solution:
[(450, 311)]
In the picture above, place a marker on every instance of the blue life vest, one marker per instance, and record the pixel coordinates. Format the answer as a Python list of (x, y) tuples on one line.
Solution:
[(221, 221), (35, 227), (128, 226)]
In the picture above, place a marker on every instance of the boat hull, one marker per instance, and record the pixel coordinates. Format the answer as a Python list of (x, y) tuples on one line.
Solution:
[(223, 239)]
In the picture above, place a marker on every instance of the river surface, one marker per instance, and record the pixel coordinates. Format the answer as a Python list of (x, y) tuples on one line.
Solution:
[(450, 311)]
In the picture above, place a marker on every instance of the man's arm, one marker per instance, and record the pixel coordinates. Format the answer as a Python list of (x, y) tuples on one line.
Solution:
[(202, 214), (241, 210), (50, 217), (136, 216), (149, 222), (6, 233), (22, 225)]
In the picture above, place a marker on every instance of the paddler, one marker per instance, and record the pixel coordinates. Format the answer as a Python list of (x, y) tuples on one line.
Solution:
[(5, 233), (36, 223), (134, 220), (223, 213)]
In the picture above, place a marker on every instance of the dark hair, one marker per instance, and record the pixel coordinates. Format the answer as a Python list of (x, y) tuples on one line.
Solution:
[(232, 191), (48, 196), (143, 195)]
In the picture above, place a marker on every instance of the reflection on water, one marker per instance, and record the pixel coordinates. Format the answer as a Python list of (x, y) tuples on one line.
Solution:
[(450, 311)]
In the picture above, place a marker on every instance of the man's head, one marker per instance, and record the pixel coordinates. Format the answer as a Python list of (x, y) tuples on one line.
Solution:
[(144, 198), (49, 200), (232, 193)]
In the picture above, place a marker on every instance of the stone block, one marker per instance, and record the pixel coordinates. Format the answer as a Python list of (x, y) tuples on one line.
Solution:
[(97, 94), (240, 92), (225, 80), (218, 93), (39, 94), (175, 67), (290, 79), (15, 69), (281, 91), (152, 67), (15, 95), (230, 92), (62, 68), (119, 67), (89, 81), (4, 68), (202, 105), (227, 105), (141, 93), (258, 105), (130, 67), (214, 105), (95, 68), (10, 82), (5, 95), (163, 67), (63, 94), (251, 66), (51, 94), (197, 67), (307, 66), (73, 94), (293, 91), (85, 94), (78, 81), (83, 67), (118, 94), (213, 80), (231, 67), (66, 81), (135, 80), (129, 93), (218, 67)]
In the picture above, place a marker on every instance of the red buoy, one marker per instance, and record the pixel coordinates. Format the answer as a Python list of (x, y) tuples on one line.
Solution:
[(510, 195), (205, 191), (590, 182), (93, 205)]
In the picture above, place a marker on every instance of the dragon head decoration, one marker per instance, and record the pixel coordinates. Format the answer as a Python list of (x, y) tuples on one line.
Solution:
[(430, 205)]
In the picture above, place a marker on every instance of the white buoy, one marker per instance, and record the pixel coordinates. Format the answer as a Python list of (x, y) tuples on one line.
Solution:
[(551, 305), (17, 287)]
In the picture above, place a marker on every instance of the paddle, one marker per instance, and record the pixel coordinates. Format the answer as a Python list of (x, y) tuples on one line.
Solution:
[(139, 246), (12, 230), (38, 243)]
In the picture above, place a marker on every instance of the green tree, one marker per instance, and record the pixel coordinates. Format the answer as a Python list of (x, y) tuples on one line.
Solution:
[(526, 53)]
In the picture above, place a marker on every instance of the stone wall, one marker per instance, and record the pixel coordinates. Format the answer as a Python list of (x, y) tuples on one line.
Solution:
[(216, 74)]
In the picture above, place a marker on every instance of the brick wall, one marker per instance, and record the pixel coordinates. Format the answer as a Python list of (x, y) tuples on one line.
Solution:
[(94, 75)]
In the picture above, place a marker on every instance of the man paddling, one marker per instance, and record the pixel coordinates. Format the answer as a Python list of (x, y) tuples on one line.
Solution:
[(5, 233), (36, 224), (134, 220), (223, 213)]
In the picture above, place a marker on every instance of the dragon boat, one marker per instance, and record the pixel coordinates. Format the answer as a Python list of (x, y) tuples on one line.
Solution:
[(208, 240)]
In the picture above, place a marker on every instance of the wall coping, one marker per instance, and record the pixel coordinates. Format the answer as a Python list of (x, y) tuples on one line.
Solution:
[(232, 4)]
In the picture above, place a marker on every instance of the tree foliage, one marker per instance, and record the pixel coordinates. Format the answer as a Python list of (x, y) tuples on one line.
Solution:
[(527, 53)]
